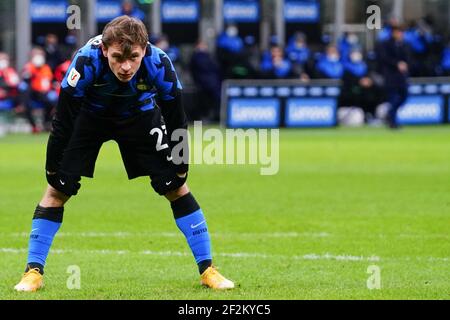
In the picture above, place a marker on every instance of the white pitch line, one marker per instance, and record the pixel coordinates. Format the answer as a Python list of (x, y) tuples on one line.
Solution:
[(239, 255)]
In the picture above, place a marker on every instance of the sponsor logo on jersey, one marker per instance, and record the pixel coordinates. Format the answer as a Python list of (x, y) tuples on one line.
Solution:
[(142, 86)]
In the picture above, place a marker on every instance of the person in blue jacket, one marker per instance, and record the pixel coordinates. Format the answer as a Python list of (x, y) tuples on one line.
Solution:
[(229, 49), (278, 67), (329, 66), (297, 49), (445, 61), (129, 8)]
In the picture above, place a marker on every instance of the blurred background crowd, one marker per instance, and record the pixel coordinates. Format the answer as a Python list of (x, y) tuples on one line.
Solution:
[(371, 71)]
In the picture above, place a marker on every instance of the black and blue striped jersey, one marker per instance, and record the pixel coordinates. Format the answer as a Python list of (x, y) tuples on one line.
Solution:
[(90, 78)]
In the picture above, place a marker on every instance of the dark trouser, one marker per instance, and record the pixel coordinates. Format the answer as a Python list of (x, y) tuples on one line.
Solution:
[(396, 98), (366, 98)]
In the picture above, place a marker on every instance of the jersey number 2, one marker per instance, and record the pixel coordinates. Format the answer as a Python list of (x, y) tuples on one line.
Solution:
[(159, 145)]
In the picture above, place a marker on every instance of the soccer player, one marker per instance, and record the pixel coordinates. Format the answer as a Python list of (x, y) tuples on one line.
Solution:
[(109, 93)]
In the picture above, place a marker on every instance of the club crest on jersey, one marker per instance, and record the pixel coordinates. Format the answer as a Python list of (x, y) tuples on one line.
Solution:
[(142, 86), (73, 77)]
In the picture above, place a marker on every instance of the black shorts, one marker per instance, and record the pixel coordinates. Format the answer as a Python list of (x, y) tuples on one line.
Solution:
[(142, 140)]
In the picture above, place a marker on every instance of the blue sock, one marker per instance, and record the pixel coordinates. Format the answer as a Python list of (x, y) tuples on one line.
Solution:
[(191, 221), (46, 223)]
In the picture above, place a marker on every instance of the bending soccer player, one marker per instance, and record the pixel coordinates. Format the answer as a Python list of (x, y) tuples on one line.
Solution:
[(109, 93)]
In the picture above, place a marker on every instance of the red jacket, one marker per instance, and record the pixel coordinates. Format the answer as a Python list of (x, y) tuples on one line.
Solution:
[(40, 79), (9, 81)]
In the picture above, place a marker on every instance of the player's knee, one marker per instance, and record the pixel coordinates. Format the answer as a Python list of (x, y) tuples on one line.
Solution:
[(177, 193), (65, 184), (53, 198), (168, 183)]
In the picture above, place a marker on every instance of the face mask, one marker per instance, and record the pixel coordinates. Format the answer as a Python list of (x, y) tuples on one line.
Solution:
[(4, 64), (356, 57), (352, 39), (300, 44), (38, 60), (232, 31), (333, 57)]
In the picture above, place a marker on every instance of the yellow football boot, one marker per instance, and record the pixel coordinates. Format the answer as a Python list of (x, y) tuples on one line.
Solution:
[(31, 281), (213, 279)]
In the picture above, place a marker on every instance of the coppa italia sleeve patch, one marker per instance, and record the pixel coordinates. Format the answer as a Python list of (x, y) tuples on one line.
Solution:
[(73, 78)]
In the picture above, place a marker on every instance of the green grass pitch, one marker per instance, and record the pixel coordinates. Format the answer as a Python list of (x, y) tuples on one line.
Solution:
[(344, 200)]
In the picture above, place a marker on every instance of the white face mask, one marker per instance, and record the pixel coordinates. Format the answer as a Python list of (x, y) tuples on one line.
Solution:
[(38, 60), (353, 39), (4, 64), (333, 57), (232, 31), (300, 44), (356, 57)]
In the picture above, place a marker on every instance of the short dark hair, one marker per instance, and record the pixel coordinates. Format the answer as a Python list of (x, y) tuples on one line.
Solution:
[(127, 32)]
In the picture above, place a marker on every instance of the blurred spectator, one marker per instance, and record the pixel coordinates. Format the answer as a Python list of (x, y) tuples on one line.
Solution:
[(436, 46), (356, 65), (70, 43), (173, 52), (9, 82), (358, 88), (386, 32), (395, 61), (245, 65), (266, 61), (329, 65), (278, 67), (129, 9), (71, 39), (52, 51), (60, 73), (415, 39), (297, 49), (229, 49), (419, 38), (61, 70), (206, 74), (36, 88), (445, 62), (230, 41), (252, 55), (299, 54), (347, 44)]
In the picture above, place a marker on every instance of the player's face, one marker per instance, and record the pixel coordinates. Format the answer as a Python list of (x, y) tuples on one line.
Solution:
[(124, 68)]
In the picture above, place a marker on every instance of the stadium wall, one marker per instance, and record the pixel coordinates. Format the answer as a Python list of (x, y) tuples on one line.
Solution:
[(294, 104)]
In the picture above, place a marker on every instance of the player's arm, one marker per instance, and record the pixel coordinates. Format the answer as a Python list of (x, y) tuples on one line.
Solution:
[(62, 127), (77, 79), (170, 101)]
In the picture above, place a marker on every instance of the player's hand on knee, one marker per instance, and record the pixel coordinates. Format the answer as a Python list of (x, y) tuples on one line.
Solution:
[(67, 184), (167, 182)]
